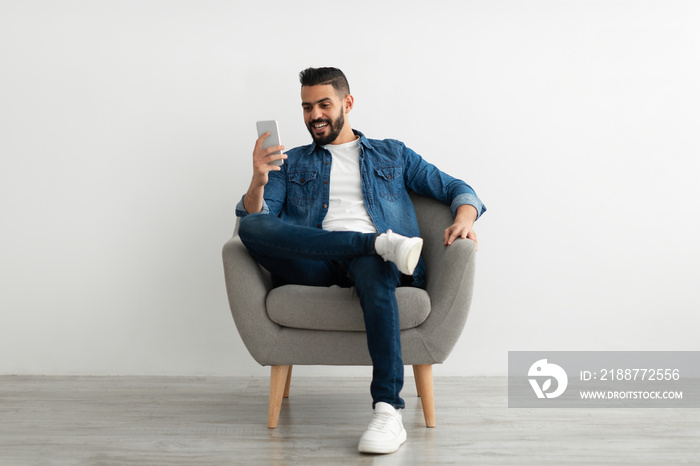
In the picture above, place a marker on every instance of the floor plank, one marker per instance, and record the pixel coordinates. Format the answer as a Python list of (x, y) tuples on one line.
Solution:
[(222, 420)]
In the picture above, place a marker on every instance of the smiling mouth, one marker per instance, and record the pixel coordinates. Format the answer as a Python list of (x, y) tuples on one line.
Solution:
[(319, 127)]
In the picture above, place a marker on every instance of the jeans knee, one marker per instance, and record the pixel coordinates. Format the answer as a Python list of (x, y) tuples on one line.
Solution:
[(373, 271), (251, 225)]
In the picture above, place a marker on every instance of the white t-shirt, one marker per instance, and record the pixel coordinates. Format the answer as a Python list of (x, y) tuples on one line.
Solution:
[(346, 207)]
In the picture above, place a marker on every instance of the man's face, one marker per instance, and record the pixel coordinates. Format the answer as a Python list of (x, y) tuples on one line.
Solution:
[(324, 114)]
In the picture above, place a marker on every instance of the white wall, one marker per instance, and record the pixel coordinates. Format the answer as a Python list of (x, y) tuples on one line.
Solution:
[(126, 129)]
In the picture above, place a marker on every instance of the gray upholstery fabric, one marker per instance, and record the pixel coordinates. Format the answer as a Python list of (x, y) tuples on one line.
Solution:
[(336, 308), (449, 284)]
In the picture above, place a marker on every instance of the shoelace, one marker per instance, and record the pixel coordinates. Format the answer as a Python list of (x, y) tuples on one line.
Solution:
[(379, 421)]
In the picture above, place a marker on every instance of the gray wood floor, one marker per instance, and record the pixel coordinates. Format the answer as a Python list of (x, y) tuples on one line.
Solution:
[(218, 421)]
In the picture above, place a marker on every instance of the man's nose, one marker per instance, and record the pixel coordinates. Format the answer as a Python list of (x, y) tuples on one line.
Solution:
[(316, 113)]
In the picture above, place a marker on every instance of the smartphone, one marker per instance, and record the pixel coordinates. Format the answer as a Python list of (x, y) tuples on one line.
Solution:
[(273, 139)]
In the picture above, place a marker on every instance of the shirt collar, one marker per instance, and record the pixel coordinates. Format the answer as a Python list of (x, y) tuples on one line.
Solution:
[(363, 141)]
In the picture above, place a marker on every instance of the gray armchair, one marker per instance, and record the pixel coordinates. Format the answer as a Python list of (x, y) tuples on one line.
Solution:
[(293, 324)]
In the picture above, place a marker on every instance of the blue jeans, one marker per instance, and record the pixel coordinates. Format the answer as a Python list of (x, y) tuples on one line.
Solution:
[(310, 256)]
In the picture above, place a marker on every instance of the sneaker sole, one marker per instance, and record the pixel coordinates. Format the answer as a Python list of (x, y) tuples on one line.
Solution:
[(382, 447), (412, 256)]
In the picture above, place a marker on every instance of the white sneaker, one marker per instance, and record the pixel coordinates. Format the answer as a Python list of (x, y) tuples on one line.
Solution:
[(399, 249), (385, 433)]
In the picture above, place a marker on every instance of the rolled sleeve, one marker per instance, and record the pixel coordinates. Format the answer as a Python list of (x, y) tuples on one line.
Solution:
[(241, 212), (468, 199)]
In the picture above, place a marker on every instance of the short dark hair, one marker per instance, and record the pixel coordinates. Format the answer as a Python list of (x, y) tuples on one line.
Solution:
[(323, 76)]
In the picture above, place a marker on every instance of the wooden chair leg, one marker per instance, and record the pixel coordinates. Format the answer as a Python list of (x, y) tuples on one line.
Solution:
[(278, 380), (289, 382), (424, 383), (415, 376)]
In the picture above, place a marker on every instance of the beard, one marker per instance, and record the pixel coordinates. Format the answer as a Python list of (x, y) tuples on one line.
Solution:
[(335, 128)]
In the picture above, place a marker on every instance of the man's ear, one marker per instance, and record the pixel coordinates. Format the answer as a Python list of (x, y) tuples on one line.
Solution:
[(348, 103)]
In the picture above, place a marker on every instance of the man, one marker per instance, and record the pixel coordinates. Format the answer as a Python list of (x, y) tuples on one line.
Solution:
[(337, 212)]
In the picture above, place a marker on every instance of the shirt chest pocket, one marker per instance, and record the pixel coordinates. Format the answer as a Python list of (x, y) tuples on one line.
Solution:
[(389, 182), (302, 188)]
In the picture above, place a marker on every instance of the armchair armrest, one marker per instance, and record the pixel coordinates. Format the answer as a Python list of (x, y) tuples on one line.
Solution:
[(449, 283), (449, 278), (247, 286)]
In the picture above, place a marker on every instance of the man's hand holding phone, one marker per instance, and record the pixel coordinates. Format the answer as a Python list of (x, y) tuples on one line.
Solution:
[(266, 158)]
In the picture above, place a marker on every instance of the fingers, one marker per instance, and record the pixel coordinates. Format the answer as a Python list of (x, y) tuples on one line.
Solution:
[(258, 151), (263, 157), (260, 140), (451, 234), (274, 154), (263, 160), (472, 236), (454, 232)]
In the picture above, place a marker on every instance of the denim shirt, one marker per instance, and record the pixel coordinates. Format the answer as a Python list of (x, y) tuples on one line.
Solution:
[(389, 170)]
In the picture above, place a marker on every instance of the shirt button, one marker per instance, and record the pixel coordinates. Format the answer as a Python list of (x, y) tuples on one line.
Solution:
[(325, 206), (325, 182), (302, 180)]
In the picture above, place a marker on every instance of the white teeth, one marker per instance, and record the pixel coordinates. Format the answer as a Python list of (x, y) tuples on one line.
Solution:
[(320, 126)]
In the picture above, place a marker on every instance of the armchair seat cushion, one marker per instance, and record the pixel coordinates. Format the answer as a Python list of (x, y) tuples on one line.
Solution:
[(337, 308)]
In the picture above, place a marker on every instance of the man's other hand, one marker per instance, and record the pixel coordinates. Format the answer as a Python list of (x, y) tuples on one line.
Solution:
[(463, 226)]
